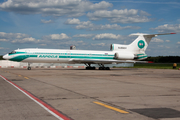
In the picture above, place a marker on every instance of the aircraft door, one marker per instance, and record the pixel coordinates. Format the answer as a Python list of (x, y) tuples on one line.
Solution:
[(90, 55), (68, 54), (27, 54)]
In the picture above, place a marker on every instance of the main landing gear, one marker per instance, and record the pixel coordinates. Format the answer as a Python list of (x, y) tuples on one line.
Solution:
[(29, 67), (102, 67), (89, 67), (93, 68)]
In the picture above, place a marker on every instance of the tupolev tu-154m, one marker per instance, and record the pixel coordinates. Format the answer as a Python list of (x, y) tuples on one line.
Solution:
[(131, 53)]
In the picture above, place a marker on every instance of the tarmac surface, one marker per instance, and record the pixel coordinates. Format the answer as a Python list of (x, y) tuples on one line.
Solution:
[(117, 94)]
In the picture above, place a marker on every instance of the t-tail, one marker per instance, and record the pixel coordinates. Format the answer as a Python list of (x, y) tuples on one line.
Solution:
[(135, 50)]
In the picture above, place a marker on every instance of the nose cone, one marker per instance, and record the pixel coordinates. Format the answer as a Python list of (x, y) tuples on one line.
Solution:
[(6, 56)]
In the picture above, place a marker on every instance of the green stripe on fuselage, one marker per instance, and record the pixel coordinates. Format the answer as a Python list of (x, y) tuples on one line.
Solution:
[(23, 55), (20, 58)]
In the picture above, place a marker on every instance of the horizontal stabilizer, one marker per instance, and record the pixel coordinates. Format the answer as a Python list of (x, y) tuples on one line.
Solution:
[(152, 35)]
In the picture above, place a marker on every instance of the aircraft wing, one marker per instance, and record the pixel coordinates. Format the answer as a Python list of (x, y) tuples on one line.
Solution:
[(99, 61)]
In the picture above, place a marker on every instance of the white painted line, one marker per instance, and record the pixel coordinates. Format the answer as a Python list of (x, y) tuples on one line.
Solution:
[(51, 110)]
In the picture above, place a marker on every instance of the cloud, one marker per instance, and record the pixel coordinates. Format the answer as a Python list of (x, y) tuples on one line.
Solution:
[(9, 36), (73, 21), (70, 8), (26, 40), (178, 42), (120, 16), (106, 36), (99, 44), (43, 44), (17, 38), (68, 43), (167, 40), (3, 40), (61, 36), (168, 28), (151, 2), (46, 21), (84, 35), (88, 25), (161, 46), (157, 40), (92, 26), (178, 20)]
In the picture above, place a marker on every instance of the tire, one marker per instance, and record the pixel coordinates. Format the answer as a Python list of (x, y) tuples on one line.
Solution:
[(107, 68), (29, 68), (90, 68), (100, 68)]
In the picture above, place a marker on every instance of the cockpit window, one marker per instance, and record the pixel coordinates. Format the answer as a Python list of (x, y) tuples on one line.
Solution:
[(12, 52)]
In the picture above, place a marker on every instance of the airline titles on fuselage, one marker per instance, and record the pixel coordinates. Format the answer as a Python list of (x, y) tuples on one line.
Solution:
[(122, 47), (48, 56)]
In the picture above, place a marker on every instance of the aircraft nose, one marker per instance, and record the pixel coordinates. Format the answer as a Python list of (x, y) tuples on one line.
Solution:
[(6, 56)]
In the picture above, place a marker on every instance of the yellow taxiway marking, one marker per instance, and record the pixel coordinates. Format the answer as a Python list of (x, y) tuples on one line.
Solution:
[(112, 108), (19, 75), (26, 77)]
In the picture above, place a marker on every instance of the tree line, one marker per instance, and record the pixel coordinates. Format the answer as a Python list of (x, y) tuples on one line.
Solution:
[(164, 59), (1, 58)]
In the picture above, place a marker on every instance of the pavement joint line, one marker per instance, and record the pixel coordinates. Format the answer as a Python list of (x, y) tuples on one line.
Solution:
[(112, 108), (48, 108)]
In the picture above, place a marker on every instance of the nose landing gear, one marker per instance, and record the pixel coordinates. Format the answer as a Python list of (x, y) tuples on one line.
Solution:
[(29, 67)]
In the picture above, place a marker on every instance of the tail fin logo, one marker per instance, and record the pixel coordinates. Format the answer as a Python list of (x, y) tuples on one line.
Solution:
[(141, 44)]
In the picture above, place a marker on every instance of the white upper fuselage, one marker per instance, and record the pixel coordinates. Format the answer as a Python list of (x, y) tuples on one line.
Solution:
[(56, 55)]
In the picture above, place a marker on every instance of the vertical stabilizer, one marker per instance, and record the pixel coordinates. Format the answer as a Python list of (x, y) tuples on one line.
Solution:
[(140, 44)]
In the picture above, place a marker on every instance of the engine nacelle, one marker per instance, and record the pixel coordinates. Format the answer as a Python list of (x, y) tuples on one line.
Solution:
[(124, 56)]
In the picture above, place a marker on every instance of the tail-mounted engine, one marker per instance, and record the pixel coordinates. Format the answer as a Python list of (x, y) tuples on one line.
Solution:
[(124, 52), (124, 56), (129, 56)]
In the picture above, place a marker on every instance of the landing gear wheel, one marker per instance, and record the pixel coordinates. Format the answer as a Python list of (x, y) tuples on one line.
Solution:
[(104, 68), (93, 68), (107, 68), (29, 68), (90, 68), (87, 68), (101, 68)]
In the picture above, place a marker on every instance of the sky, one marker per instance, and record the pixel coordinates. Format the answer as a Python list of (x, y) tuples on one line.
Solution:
[(89, 24)]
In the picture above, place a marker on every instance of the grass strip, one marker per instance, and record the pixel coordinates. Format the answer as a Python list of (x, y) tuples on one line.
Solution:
[(155, 65)]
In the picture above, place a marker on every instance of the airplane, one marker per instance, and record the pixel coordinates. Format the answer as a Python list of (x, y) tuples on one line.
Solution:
[(131, 53)]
